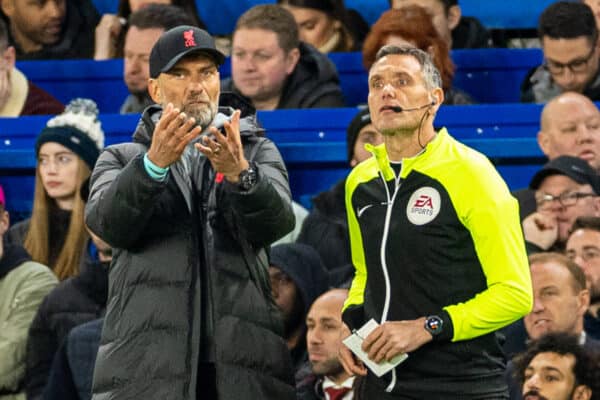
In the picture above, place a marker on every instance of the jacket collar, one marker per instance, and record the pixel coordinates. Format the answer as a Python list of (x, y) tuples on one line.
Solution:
[(380, 155), (13, 257)]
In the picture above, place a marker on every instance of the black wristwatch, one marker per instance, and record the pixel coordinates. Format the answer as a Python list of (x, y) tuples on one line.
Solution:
[(434, 325), (248, 178)]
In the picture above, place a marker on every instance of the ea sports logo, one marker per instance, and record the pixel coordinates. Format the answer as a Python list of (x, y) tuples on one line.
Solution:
[(423, 206)]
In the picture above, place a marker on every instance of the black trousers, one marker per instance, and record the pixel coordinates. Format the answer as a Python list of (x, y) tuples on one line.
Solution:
[(206, 382)]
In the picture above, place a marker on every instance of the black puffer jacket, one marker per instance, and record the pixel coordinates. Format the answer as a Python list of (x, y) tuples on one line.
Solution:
[(73, 302), (313, 84), (188, 282)]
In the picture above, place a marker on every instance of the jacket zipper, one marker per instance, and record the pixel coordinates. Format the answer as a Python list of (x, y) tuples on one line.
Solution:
[(386, 227)]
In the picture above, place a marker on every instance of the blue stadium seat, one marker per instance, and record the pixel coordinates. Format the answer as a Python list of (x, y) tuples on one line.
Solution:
[(489, 75), (101, 81), (312, 143)]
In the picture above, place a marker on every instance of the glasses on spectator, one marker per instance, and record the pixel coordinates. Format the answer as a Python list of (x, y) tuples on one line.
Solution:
[(575, 66), (567, 199), (586, 255)]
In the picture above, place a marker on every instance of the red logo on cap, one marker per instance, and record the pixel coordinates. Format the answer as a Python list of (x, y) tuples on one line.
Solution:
[(188, 36)]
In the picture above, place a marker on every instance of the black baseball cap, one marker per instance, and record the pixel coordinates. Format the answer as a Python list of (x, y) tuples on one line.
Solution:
[(360, 120), (178, 42), (573, 167)]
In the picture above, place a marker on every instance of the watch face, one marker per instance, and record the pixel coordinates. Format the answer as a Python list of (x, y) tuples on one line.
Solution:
[(434, 324), (247, 179)]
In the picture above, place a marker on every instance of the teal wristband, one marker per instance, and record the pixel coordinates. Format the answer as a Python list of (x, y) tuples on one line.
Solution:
[(157, 173)]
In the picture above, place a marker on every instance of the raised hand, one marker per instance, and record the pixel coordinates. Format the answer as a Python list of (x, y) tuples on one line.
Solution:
[(172, 133), (225, 153)]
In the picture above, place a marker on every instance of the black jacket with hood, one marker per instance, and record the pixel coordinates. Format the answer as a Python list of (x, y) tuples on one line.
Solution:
[(314, 83), (188, 283)]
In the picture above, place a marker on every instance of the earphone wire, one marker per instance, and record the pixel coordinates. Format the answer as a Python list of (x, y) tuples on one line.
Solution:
[(421, 125)]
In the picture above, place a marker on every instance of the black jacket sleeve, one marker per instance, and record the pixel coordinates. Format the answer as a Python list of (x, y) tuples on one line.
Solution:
[(120, 197), (265, 211)]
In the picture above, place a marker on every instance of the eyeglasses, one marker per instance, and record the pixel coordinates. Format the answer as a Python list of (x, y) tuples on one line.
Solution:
[(567, 199), (586, 255), (576, 66)]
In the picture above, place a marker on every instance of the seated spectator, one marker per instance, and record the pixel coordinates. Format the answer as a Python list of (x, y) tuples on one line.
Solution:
[(565, 188), (297, 279), (413, 26), (326, 227), (19, 96), (51, 29), (110, 32), (569, 35), (560, 300), (326, 24), (145, 27), (77, 300), (583, 247), (569, 126), (272, 69), (328, 379), (556, 367), (458, 31), (23, 285), (66, 150), (72, 369)]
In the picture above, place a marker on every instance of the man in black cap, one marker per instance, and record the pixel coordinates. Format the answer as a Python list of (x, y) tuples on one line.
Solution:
[(566, 188), (189, 208)]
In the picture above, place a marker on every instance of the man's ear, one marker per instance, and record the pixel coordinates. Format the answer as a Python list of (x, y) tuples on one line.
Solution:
[(4, 222), (154, 90), (437, 100), (543, 140), (8, 7), (292, 60), (454, 14)]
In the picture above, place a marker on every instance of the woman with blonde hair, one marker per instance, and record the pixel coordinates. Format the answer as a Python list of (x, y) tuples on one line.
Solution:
[(66, 151), (413, 26)]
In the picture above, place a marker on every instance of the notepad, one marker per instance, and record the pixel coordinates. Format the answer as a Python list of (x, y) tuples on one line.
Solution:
[(354, 343)]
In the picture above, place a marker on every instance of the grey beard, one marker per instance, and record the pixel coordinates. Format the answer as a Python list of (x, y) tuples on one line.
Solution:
[(204, 116)]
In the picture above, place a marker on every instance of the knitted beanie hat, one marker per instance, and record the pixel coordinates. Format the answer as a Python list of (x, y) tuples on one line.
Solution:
[(360, 120), (78, 129)]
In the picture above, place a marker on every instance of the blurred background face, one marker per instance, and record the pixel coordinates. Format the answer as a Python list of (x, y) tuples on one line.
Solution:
[(324, 325), (259, 66), (555, 185), (571, 126), (138, 45), (314, 26), (556, 305), (437, 11), (58, 167), (368, 134), (137, 4), (549, 376), (573, 63), (288, 299), (583, 247), (39, 21)]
